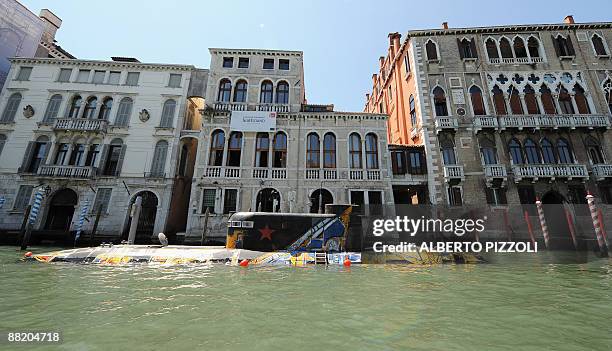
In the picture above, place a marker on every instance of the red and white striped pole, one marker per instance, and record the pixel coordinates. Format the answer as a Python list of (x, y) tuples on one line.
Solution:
[(529, 228), (542, 221), (600, 240)]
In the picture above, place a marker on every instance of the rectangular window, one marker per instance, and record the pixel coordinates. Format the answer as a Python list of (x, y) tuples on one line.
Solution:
[(132, 78), (83, 76), (398, 162), (268, 63), (102, 200), (113, 77), (417, 162), (23, 197), (375, 202), (230, 201), (175, 80), (98, 77), (208, 200), (496, 196), (228, 62), (407, 64), (114, 151), (283, 64), (454, 196), (357, 198), (243, 62), (64, 75), (24, 73)]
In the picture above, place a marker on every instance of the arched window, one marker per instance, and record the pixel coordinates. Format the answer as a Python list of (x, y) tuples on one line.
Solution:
[(505, 48), (548, 101), (531, 152), (447, 147), (515, 101), (440, 102), (313, 148), (581, 101), (329, 150), (167, 117), (10, 111), (519, 47), (75, 106), (53, 108), (432, 50), (499, 101), (598, 45), (608, 92), (413, 117), (531, 100), (516, 152), (565, 102), (318, 199), (280, 150), (77, 156), (240, 91), (159, 159), (355, 150), (488, 150), (477, 101), (563, 46), (267, 200), (548, 154), (491, 49), (105, 109), (124, 112), (225, 90), (564, 151), (282, 93), (267, 90), (594, 150), (61, 154), (234, 149), (371, 151), (93, 153), (534, 47), (90, 107), (262, 149), (466, 48), (217, 144), (114, 158)]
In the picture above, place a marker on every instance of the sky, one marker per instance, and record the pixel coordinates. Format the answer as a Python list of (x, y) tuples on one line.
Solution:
[(341, 40)]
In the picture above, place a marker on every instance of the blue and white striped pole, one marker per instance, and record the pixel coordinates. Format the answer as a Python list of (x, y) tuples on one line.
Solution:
[(36, 206), (81, 220), (2, 200)]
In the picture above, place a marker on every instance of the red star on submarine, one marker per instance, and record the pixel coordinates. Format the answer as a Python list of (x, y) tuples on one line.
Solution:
[(266, 233)]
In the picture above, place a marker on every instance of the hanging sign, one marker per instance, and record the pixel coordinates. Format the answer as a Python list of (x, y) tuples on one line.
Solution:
[(253, 121)]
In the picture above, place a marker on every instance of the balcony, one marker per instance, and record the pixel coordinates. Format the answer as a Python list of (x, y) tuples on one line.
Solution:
[(495, 174), (273, 107), (453, 173), (602, 171), (230, 106), (446, 122), (484, 122), (243, 106), (551, 171), (554, 121), (515, 60), (72, 172), (81, 125)]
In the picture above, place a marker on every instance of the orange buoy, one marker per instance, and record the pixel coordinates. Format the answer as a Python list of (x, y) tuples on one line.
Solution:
[(347, 262), (28, 254), (244, 263)]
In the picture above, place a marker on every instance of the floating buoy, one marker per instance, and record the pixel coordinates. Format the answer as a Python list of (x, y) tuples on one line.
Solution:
[(28, 254), (347, 262), (244, 263)]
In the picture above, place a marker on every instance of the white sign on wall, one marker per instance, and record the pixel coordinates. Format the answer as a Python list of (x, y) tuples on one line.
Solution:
[(253, 121)]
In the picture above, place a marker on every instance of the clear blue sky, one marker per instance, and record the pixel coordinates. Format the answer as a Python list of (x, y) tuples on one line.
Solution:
[(341, 40)]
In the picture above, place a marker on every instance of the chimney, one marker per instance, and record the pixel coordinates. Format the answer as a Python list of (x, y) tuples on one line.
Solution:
[(394, 43), (52, 24), (381, 61), (374, 78), (444, 25), (569, 19)]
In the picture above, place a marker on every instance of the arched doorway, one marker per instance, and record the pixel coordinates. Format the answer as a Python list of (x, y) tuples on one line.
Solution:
[(318, 199), (61, 210), (268, 200), (554, 213), (146, 221)]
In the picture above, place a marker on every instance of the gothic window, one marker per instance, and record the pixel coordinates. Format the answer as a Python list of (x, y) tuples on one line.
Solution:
[(105, 109), (159, 159), (519, 47), (505, 48), (608, 92), (477, 101), (564, 151), (90, 107), (167, 117), (467, 48), (371, 151), (240, 91), (594, 150), (563, 46), (515, 101), (548, 154), (516, 152), (488, 151), (440, 102), (548, 101), (447, 147), (329, 150), (52, 108), (491, 48), (123, 112), (431, 50), (282, 93), (499, 101), (313, 147), (530, 100), (279, 149), (262, 149), (565, 101), (10, 111), (234, 149), (355, 150), (534, 47), (217, 144), (598, 45), (75, 106), (225, 90), (531, 152), (267, 90), (581, 100)]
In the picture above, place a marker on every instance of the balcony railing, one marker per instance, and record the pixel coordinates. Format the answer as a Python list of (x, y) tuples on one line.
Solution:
[(602, 171), (230, 106), (554, 121), (453, 172), (536, 171), (515, 60), (81, 124), (243, 106), (446, 122), (271, 173), (495, 173), (273, 107), (482, 122), (73, 172)]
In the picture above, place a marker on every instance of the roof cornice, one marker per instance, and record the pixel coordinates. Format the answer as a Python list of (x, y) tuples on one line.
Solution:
[(96, 63), (508, 28), (264, 52)]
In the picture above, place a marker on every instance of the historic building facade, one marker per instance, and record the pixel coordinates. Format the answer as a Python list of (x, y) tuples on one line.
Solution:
[(101, 132), (311, 156), (505, 114)]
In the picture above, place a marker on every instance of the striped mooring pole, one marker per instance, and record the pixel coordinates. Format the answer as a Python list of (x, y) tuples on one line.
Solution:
[(598, 234), (36, 206), (81, 220), (2, 200), (542, 221)]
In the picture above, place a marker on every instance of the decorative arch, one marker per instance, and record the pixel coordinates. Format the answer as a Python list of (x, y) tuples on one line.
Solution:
[(505, 48), (600, 47), (241, 91), (431, 50), (225, 90), (491, 47), (319, 198), (477, 101), (440, 102), (217, 145)]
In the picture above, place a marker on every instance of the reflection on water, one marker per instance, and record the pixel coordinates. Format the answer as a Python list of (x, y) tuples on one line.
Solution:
[(518, 302)]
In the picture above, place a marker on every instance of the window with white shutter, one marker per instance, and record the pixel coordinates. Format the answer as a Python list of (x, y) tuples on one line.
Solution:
[(159, 159), (53, 108), (124, 112), (168, 114), (11, 108)]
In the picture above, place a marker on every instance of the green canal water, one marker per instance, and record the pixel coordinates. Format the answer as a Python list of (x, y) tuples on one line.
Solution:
[(520, 302)]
